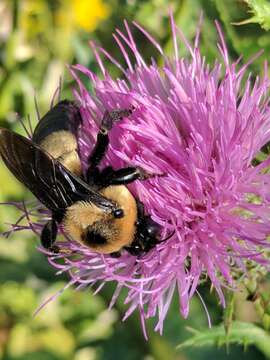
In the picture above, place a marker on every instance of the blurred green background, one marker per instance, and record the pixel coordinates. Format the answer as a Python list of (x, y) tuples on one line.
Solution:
[(37, 39)]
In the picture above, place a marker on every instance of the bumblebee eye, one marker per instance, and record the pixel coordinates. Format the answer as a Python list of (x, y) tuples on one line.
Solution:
[(118, 213), (135, 250), (152, 229)]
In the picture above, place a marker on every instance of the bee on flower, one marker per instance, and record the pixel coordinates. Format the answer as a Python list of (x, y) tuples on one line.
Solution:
[(198, 126)]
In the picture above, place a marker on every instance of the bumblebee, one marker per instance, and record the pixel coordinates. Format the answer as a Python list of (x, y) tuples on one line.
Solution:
[(95, 208)]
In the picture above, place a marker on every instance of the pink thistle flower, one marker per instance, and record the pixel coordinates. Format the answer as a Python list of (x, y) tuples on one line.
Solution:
[(201, 126)]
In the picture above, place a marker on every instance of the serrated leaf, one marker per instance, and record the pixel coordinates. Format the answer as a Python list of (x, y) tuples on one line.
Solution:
[(240, 333), (245, 40), (261, 13)]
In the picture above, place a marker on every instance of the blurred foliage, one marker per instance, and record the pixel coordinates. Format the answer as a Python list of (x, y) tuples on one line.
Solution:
[(37, 39), (261, 13), (240, 332)]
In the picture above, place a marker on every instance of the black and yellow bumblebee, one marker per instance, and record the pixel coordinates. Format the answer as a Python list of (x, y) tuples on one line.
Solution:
[(95, 208)]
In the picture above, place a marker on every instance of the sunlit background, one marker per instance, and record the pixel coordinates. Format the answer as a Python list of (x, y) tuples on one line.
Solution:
[(38, 39)]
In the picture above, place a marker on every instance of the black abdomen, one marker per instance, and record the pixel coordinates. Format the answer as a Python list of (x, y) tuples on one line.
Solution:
[(63, 116)]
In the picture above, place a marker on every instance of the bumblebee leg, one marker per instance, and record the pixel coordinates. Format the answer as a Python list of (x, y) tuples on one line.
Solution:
[(115, 254), (92, 176), (123, 176), (140, 209), (99, 150), (48, 235), (102, 142)]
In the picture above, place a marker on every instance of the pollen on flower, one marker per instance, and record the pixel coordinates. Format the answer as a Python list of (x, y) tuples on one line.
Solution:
[(201, 127)]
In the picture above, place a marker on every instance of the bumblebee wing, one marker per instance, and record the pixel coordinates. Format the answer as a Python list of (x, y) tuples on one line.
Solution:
[(51, 183)]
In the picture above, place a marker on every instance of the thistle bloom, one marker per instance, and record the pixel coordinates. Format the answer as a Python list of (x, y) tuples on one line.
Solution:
[(200, 127)]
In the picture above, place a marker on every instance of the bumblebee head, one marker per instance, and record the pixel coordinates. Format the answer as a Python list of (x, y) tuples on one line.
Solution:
[(103, 232), (149, 228), (146, 238), (103, 236)]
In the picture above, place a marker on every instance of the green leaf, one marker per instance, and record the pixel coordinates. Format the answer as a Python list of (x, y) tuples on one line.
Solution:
[(261, 13), (246, 40), (240, 333)]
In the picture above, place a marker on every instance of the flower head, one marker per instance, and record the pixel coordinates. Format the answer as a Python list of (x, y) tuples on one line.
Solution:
[(83, 14), (201, 127)]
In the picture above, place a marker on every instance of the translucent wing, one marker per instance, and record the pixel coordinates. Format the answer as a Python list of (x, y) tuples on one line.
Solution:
[(51, 183)]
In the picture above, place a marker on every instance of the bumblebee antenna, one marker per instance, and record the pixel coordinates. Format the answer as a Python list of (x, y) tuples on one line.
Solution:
[(36, 107), (57, 93), (28, 133), (168, 237), (60, 88), (30, 125)]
